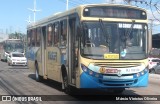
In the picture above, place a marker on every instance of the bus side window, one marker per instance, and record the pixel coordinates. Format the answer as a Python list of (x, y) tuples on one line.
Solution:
[(38, 37), (56, 34), (29, 38), (53, 34), (33, 37), (63, 32), (49, 35)]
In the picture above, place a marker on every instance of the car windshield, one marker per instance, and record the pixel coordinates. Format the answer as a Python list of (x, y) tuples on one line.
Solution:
[(17, 55), (127, 40)]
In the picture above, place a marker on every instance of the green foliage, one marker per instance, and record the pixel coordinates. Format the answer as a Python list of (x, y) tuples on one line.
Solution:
[(16, 35)]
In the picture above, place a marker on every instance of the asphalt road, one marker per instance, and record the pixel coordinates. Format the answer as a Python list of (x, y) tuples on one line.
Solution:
[(19, 80)]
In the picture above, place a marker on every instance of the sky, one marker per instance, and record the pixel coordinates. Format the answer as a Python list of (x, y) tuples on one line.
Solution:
[(15, 13)]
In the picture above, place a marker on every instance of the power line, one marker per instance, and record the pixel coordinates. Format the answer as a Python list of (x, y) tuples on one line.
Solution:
[(152, 11)]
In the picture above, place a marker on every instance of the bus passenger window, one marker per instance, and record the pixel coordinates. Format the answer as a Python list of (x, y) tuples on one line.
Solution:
[(29, 38), (33, 38), (63, 32), (56, 34), (38, 37), (49, 36)]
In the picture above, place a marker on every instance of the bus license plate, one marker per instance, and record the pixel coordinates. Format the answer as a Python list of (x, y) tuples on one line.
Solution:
[(111, 56)]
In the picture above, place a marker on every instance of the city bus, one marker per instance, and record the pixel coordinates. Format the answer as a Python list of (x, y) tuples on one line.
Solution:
[(11, 45), (94, 46)]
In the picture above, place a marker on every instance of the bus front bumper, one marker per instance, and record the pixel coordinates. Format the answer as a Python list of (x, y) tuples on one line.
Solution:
[(87, 81)]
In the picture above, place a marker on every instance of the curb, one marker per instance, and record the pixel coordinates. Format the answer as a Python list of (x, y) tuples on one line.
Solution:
[(156, 76)]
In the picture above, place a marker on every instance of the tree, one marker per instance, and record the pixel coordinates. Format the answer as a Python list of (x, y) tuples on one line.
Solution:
[(16, 35)]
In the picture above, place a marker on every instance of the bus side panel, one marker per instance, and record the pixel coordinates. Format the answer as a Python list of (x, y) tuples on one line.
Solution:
[(31, 56), (31, 65), (39, 61), (53, 63)]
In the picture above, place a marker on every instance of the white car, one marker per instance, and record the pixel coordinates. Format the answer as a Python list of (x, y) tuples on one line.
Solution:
[(17, 58), (153, 62)]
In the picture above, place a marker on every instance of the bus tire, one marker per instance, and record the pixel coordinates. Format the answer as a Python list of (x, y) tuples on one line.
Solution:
[(37, 76), (67, 87)]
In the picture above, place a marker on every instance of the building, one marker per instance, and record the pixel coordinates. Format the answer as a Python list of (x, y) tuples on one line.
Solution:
[(156, 40)]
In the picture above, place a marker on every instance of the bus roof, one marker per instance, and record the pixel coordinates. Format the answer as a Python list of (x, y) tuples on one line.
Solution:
[(77, 9)]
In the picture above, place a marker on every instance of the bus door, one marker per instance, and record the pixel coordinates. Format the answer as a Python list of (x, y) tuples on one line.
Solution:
[(72, 51), (43, 52)]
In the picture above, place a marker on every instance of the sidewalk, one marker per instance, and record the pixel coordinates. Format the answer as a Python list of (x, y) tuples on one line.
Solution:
[(156, 76)]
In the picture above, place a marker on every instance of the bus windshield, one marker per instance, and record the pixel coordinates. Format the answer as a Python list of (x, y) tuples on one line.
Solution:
[(14, 46), (128, 40)]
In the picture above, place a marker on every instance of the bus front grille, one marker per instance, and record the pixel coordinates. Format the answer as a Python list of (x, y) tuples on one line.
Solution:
[(117, 64), (118, 83)]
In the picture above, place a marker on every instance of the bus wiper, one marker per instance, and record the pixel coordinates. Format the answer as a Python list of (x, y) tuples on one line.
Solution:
[(127, 35), (104, 32), (130, 30)]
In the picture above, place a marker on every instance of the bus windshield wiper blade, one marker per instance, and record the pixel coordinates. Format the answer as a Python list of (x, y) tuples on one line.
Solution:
[(130, 30), (104, 31)]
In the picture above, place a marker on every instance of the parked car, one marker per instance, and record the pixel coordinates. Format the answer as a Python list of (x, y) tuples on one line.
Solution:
[(153, 62), (17, 58), (155, 69)]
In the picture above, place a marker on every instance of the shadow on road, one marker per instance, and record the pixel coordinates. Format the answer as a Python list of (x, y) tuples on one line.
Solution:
[(18, 67), (48, 82), (80, 92)]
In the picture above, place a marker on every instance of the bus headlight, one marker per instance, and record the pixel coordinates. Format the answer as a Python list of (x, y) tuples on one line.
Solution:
[(138, 74), (141, 73), (90, 72)]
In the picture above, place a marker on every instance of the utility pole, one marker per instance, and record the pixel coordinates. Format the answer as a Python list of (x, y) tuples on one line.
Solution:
[(151, 25), (150, 34), (67, 5), (34, 10)]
